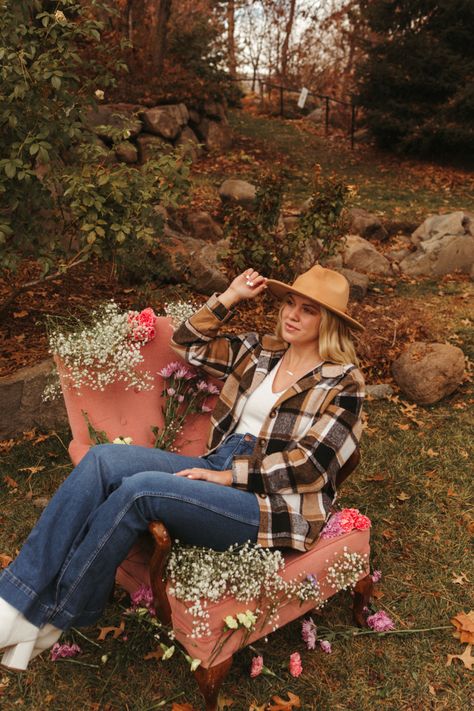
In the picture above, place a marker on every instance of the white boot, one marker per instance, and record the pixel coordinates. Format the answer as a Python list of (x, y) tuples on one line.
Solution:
[(18, 656), (14, 627)]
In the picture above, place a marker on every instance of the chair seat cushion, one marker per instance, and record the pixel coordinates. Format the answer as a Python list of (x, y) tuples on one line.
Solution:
[(134, 572)]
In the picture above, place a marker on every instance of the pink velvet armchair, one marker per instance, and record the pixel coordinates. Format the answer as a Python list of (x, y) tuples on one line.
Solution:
[(119, 412)]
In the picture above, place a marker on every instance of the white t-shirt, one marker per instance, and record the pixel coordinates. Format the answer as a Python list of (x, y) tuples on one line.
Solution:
[(258, 406)]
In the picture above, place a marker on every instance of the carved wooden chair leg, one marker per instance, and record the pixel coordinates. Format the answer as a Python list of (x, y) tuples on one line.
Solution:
[(159, 559), (210, 681), (362, 594)]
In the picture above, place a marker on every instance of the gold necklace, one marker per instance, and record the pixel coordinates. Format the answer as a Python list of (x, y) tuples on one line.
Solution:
[(292, 372)]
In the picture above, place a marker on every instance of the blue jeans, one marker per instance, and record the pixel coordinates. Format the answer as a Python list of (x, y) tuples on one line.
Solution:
[(65, 571)]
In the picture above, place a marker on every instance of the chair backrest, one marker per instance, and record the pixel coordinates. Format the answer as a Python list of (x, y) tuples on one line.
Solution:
[(347, 469)]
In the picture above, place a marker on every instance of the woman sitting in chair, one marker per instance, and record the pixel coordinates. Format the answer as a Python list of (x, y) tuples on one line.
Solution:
[(286, 421)]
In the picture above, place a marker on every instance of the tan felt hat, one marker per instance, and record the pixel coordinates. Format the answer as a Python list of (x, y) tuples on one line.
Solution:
[(324, 286)]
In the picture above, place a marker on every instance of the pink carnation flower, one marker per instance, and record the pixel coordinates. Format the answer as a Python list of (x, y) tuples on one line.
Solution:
[(295, 665), (309, 633), (63, 651), (345, 521), (143, 324), (142, 597), (257, 666), (325, 646), (376, 576), (380, 622)]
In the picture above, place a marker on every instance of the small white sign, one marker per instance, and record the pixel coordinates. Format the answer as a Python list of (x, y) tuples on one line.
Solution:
[(302, 97)]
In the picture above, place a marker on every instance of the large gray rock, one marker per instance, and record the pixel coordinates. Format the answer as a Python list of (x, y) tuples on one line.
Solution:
[(22, 404), (366, 224), (361, 256), (445, 244), (379, 391), (166, 121), (216, 135), (238, 192), (150, 147), (127, 152), (194, 262), (190, 143), (358, 284), (118, 116), (202, 226), (427, 372)]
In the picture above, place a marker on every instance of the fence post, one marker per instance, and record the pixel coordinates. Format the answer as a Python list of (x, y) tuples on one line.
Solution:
[(281, 102), (326, 123), (353, 123)]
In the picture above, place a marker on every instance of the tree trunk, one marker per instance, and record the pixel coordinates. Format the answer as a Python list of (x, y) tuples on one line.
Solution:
[(231, 38), (149, 28), (286, 41)]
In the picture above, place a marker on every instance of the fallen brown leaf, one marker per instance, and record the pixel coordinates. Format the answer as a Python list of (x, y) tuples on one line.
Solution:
[(279, 704), (460, 579), (10, 482), (255, 707), (388, 534), (20, 314), (224, 702), (466, 658), (403, 496), (182, 707), (114, 631), (157, 654), (32, 470), (464, 627), (376, 477), (5, 560)]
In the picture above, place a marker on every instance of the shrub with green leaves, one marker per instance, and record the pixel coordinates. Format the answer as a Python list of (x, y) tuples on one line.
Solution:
[(259, 239), (63, 197)]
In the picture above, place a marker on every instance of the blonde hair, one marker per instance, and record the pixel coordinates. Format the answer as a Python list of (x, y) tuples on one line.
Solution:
[(335, 341)]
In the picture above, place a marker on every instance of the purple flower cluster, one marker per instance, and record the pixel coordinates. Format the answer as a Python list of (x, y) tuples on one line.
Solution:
[(380, 622), (143, 597), (345, 521), (63, 651), (309, 633)]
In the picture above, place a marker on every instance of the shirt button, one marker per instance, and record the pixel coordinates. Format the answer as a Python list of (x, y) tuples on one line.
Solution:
[(262, 442), (263, 496), (247, 438), (273, 413)]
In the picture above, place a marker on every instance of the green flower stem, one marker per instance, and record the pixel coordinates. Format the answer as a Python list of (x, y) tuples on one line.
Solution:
[(91, 641), (357, 633)]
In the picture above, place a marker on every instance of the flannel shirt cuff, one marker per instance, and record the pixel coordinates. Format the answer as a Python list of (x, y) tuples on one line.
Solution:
[(220, 311), (240, 472)]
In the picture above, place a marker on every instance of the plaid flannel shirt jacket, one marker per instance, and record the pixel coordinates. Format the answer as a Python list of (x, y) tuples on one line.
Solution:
[(308, 435)]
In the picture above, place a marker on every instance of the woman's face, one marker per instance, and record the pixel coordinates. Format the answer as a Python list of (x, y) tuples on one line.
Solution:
[(300, 320)]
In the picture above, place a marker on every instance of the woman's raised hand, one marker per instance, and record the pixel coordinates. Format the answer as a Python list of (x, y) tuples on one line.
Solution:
[(245, 286)]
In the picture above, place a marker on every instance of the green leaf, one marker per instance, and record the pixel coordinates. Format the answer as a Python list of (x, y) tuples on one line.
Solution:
[(56, 82), (10, 170), (34, 148)]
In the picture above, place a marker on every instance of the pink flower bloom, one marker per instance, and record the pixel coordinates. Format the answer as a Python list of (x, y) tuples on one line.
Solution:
[(180, 398), (309, 633), (169, 369), (212, 389), (295, 665), (380, 622), (143, 597), (143, 324), (205, 408), (345, 521), (182, 372), (361, 522), (325, 646), (201, 386), (170, 392), (63, 651), (257, 666), (376, 576)]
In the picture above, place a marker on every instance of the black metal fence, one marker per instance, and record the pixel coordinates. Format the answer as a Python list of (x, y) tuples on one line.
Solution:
[(286, 103)]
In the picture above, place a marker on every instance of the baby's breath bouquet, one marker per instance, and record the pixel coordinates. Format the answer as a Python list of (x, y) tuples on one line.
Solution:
[(104, 349)]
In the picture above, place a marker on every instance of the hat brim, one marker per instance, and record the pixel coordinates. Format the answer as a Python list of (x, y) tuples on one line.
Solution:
[(280, 289)]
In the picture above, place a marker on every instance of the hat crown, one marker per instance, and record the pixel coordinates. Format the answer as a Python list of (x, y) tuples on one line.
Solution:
[(325, 286)]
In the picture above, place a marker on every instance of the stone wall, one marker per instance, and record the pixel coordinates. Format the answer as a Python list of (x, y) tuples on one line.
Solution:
[(158, 129), (21, 401)]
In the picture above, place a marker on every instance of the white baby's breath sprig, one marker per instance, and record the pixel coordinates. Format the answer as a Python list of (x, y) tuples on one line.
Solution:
[(179, 311), (104, 350)]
